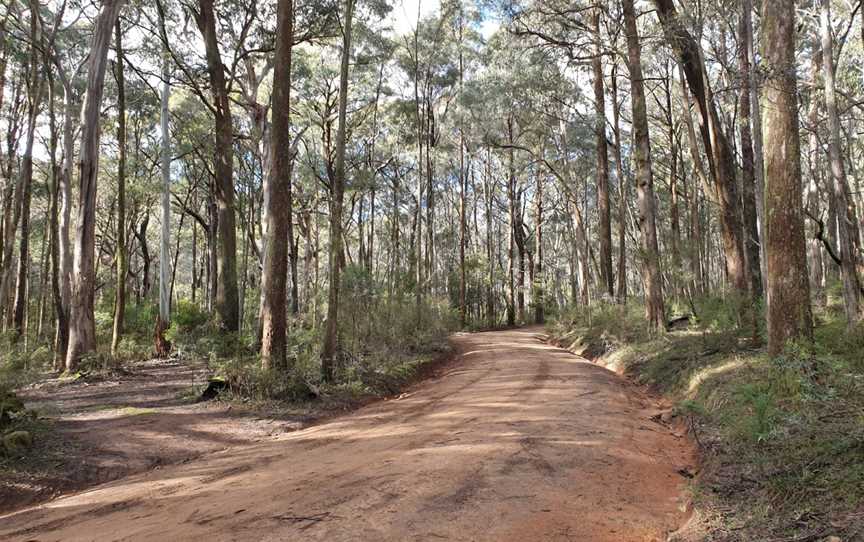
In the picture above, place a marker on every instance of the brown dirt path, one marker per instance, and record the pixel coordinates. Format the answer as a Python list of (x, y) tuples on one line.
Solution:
[(518, 441), (128, 422)]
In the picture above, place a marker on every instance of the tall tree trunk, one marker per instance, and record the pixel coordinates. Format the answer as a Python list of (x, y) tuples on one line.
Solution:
[(654, 306), (418, 245), (141, 235), (463, 317), (539, 291), (24, 188), (720, 154), (82, 324), (758, 154), (622, 193), (120, 248), (848, 252), (511, 198), (227, 300), (165, 226), (607, 278), (674, 212), (62, 323), (331, 334), (752, 246), (274, 277), (491, 317), (789, 312), (815, 181), (65, 255)]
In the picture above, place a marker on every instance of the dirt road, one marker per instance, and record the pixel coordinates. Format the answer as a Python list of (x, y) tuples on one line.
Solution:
[(519, 441)]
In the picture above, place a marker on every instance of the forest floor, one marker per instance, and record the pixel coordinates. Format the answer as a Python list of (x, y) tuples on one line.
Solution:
[(515, 440), (98, 429)]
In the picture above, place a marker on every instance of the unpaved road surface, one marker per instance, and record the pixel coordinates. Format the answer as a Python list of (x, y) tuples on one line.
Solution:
[(518, 441), (127, 423)]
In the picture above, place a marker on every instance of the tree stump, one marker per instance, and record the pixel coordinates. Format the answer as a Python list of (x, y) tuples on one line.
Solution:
[(163, 346)]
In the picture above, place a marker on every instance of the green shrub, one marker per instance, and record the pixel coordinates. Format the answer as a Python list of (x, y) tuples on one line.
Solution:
[(188, 316)]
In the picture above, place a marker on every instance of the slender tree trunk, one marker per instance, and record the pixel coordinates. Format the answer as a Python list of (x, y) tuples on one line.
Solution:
[(43, 282), (194, 250), (418, 245), (539, 290), (274, 277), (674, 212), (752, 245), (462, 189), (511, 197), (622, 193), (120, 248), (65, 255), (654, 306), (165, 226), (331, 334), (82, 324), (491, 317), (758, 154), (848, 253), (24, 189), (607, 278), (62, 324), (789, 311), (141, 234), (815, 181)]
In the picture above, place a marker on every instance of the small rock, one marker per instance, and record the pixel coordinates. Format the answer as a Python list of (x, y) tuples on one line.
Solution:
[(667, 417), (833, 539), (17, 442)]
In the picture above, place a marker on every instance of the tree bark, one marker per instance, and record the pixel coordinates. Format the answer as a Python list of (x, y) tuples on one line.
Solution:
[(789, 312), (62, 321), (82, 324), (34, 99), (720, 154), (752, 246), (654, 306), (227, 299), (758, 154), (463, 310), (274, 277), (848, 253), (622, 193), (607, 278), (539, 291), (120, 248)]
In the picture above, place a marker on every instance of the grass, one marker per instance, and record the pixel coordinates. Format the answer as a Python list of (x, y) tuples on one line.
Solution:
[(781, 440)]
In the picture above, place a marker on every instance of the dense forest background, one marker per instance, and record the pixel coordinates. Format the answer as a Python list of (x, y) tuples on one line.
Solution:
[(330, 183)]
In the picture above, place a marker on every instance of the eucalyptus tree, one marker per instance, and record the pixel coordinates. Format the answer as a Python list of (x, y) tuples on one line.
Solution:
[(652, 281), (273, 281), (82, 325), (789, 311)]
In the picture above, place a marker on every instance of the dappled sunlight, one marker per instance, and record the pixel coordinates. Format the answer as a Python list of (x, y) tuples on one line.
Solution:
[(715, 371)]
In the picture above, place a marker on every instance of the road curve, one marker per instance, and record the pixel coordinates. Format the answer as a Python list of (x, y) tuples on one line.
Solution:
[(518, 441)]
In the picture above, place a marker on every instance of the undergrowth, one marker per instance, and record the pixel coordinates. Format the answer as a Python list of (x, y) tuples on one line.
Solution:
[(781, 440)]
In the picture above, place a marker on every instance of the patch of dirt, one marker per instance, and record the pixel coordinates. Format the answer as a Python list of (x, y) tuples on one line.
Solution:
[(137, 420), (518, 441)]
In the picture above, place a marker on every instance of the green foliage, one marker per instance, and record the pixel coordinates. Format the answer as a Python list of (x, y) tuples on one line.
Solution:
[(10, 406), (188, 316), (606, 323)]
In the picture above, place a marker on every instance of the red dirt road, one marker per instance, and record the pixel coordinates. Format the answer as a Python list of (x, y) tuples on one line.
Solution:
[(518, 441)]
